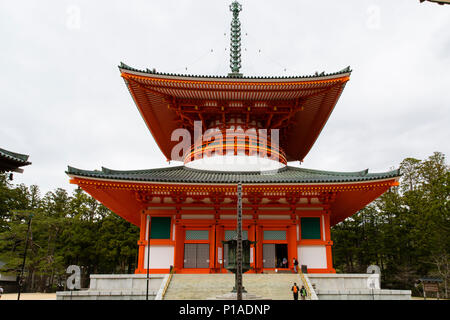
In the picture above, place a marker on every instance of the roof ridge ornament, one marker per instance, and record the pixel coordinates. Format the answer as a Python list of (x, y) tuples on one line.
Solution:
[(235, 50)]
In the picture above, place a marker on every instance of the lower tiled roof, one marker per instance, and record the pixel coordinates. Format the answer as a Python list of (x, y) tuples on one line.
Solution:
[(182, 174), (11, 161), (22, 158)]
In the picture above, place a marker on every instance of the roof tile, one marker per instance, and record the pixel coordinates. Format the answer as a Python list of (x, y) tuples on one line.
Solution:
[(188, 175)]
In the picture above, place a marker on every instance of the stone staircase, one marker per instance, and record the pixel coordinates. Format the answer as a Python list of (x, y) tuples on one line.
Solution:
[(214, 286)]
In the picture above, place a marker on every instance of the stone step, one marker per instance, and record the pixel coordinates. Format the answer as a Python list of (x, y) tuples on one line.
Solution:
[(233, 296), (211, 286), (278, 271)]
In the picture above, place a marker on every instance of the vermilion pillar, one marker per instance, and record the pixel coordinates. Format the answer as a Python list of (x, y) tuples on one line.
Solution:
[(329, 243), (212, 248), (179, 247), (251, 237), (292, 244), (141, 243), (259, 248)]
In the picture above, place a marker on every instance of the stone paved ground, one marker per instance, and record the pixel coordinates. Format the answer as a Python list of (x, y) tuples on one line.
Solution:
[(204, 286), (29, 296), (52, 296)]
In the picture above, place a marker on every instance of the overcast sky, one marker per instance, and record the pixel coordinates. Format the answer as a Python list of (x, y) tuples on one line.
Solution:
[(63, 101)]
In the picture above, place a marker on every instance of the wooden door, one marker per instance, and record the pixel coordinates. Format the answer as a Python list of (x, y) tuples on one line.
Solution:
[(225, 255), (190, 255), (269, 255), (202, 255)]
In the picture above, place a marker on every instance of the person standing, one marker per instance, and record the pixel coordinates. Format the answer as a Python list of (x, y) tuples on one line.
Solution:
[(295, 291), (303, 293), (295, 263), (284, 263), (1, 292)]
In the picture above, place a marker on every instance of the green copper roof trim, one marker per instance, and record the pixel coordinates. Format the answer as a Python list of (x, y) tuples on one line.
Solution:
[(13, 156), (154, 72), (187, 175), (235, 48)]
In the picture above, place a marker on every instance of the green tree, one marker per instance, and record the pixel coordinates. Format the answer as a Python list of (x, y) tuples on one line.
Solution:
[(406, 231), (66, 229)]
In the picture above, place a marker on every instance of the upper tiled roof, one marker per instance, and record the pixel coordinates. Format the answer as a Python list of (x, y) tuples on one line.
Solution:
[(123, 66), (181, 174), (160, 99)]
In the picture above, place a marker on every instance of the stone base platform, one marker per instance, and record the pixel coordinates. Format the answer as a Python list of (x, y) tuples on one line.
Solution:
[(364, 294), (358, 286), (118, 287), (218, 286), (105, 295)]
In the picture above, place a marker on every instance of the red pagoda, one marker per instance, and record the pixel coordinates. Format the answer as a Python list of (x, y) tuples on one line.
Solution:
[(245, 130)]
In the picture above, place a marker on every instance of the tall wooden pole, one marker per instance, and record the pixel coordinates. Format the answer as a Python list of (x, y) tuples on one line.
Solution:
[(239, 244), (24, 257)]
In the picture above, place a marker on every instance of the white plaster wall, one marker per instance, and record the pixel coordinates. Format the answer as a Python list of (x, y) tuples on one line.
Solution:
[(315, 257), (161, 257), (235, 163)]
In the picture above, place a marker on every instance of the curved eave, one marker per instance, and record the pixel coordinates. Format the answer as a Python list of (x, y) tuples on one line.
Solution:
[(17, 157), (116, 191), (12, 161), (214, 78), (186, 176), (153, 93)]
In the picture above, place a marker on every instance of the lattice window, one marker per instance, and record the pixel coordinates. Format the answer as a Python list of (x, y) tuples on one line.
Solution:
[(232, 234), (275, 235), (197, 234)]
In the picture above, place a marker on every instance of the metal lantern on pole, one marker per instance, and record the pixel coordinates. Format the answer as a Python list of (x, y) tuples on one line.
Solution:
[(148, 257), (239, 250)]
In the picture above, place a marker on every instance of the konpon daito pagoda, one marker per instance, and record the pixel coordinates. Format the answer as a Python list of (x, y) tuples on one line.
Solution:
[(240, 130)]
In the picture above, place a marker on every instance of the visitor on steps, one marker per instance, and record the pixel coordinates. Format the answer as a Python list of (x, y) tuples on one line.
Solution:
[(295, 290), (303, 293), (285, 263), (295, 263)]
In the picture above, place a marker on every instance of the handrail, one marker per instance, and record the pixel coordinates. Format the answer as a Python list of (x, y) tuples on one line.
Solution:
[(167, 283), (305, 283)]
